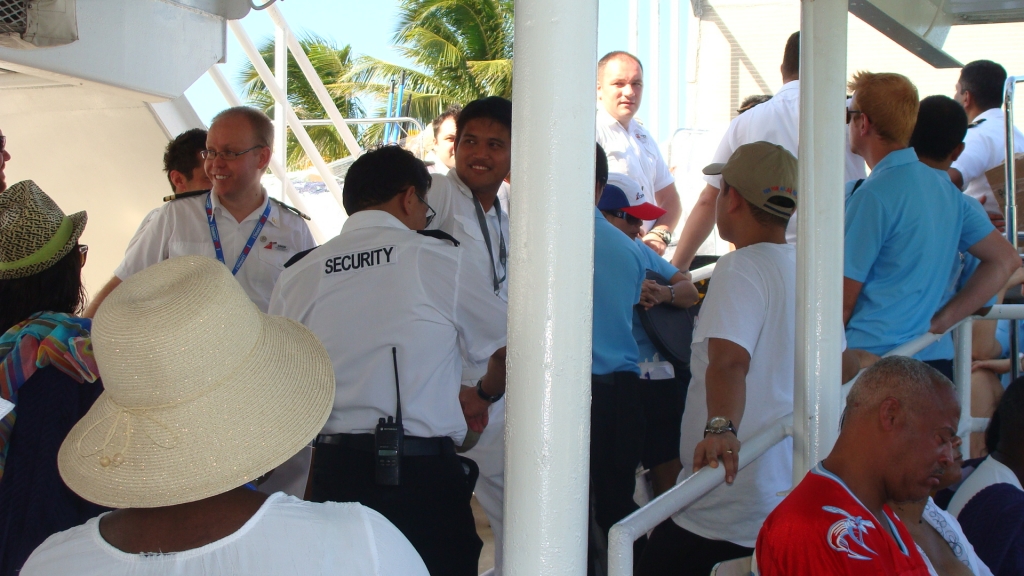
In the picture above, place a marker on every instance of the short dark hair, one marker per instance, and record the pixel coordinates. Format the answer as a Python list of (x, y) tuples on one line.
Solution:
[(752, 101), (262, 125), (56, 289), (381, 174), (984, 79), (941, 127), (763, 217), (492, 107), (1005, 427), (452, 112), (791, 57), (182, 153), (613, 55), (602, 167)]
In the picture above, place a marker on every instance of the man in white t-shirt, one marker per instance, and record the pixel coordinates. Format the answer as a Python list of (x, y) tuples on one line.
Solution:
[(630, 148), (776, 121), (980, 91), (742, 365)]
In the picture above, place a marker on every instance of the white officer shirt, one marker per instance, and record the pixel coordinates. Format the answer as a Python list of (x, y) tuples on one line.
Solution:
[(180, 227), (456, 214), (776, 121), (984, 149), (379, 285)]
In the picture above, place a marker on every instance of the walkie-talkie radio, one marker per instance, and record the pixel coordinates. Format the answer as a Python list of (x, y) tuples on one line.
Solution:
[(387, 440)]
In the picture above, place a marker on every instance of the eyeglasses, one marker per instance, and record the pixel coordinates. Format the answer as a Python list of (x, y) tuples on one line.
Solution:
[(226, 155), (850, 114), (430, 211), (83, 253), (629, 218)]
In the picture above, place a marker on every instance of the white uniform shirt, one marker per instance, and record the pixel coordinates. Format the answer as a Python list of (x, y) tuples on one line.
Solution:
[(635, 153), (776, 121), (377, 285), (285, 536), (180, 227), (984, 149)]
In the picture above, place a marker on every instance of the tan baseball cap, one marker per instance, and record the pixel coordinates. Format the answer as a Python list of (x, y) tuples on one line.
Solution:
[(762, 171)]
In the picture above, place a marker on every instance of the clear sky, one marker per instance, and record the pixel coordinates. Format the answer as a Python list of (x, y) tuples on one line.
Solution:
[(368, 26)]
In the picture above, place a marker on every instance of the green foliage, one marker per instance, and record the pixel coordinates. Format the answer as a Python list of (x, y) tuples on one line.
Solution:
[(461, 51), (333, 64)]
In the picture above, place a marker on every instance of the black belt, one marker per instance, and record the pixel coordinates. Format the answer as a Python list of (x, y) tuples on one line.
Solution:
[(411, 445)]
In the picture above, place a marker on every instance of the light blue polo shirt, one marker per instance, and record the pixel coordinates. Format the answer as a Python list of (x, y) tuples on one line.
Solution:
[(963, 269), (618, 276), (658, 264), (905, 228)]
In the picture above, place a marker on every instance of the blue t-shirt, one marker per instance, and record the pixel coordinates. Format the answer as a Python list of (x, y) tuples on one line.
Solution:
[(963, 269), (618, 276), (905, 227), (657, 264)]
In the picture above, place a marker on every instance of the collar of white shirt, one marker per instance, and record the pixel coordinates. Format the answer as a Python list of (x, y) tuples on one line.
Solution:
[(372, 219), (273, 218), (604, 118), (792, 85), (990, 115), (459, 184)]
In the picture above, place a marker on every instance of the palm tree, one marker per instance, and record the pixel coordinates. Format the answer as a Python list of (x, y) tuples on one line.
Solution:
[(332, 64), (461, 50)]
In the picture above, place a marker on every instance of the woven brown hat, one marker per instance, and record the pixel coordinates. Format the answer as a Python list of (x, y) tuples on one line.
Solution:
[(202, 391), (34, 232)]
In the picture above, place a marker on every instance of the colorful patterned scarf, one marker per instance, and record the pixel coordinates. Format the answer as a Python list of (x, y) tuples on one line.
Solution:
[(45, 339)]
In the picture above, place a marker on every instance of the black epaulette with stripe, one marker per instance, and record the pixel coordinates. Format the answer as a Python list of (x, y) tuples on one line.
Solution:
[(184, 195), (976, 124), (291, 209), (439, 235)]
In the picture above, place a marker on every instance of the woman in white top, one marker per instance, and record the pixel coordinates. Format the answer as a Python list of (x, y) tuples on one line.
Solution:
[(204, 394)]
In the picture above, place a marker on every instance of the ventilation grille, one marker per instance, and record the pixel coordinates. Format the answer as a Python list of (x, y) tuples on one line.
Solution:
[(12, 16)]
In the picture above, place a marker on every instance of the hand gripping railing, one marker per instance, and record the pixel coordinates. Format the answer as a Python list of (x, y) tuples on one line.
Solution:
[(682, 495)]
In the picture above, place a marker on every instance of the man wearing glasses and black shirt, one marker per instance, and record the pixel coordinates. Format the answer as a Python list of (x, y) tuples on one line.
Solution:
[(236, 222)]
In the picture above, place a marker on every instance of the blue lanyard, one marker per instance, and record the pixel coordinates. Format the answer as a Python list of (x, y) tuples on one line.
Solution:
[(215, 234)]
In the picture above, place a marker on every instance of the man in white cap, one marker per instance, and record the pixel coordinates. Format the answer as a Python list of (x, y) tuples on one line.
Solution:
[(236, 222), (630, 147), (203, 395)]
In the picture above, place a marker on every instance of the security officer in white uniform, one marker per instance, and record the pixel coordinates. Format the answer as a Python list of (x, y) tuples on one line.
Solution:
[(236, 222), (471, 207), (776, 121), (630, 147), (396, 311), (980, 91)]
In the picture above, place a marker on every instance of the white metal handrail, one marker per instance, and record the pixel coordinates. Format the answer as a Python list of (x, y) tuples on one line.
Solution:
[(702, 273), (626, 531)]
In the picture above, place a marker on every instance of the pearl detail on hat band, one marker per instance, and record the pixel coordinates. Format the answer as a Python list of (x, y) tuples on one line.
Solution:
[(125, 415)]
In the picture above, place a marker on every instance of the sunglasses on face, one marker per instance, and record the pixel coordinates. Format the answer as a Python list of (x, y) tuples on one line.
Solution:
[(850, 114), (83, 253), (629, 218)]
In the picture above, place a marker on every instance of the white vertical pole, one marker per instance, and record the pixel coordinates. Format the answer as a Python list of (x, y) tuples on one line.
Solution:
[(819, 266), (653, 75), (281, 76), (673, 67), (550, 290), (633, 33), (963, 336)]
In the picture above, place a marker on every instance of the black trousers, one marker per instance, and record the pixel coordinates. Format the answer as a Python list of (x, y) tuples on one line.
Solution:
[(678, 552), (664, 402), (431, 506), (616, 444)]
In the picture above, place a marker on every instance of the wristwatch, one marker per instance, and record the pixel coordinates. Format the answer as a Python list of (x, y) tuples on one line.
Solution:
[(480, 392), (665, 235), (718, 425)]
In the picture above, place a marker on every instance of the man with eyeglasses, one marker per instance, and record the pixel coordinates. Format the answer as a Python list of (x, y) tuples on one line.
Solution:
[(398, 311), (235, 222), (906, 225)]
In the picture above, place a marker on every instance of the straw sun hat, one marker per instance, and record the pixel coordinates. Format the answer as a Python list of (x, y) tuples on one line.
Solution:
[(34, 232), (203, 392)]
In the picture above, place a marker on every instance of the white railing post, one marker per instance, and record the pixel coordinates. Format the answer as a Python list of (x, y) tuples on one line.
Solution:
[(293, 121), (550, 306), (962, 339), (290, 193), (281, 76), (819, 232), (1011, 201)]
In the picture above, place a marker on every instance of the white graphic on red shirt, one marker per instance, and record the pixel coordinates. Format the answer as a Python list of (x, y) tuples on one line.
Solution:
[(849, 532)]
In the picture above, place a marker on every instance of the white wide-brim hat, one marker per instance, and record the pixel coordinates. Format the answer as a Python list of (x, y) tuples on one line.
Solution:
[(203, 392)]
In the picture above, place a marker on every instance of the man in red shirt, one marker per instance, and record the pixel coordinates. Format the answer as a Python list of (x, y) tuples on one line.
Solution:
[(895, 442)]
